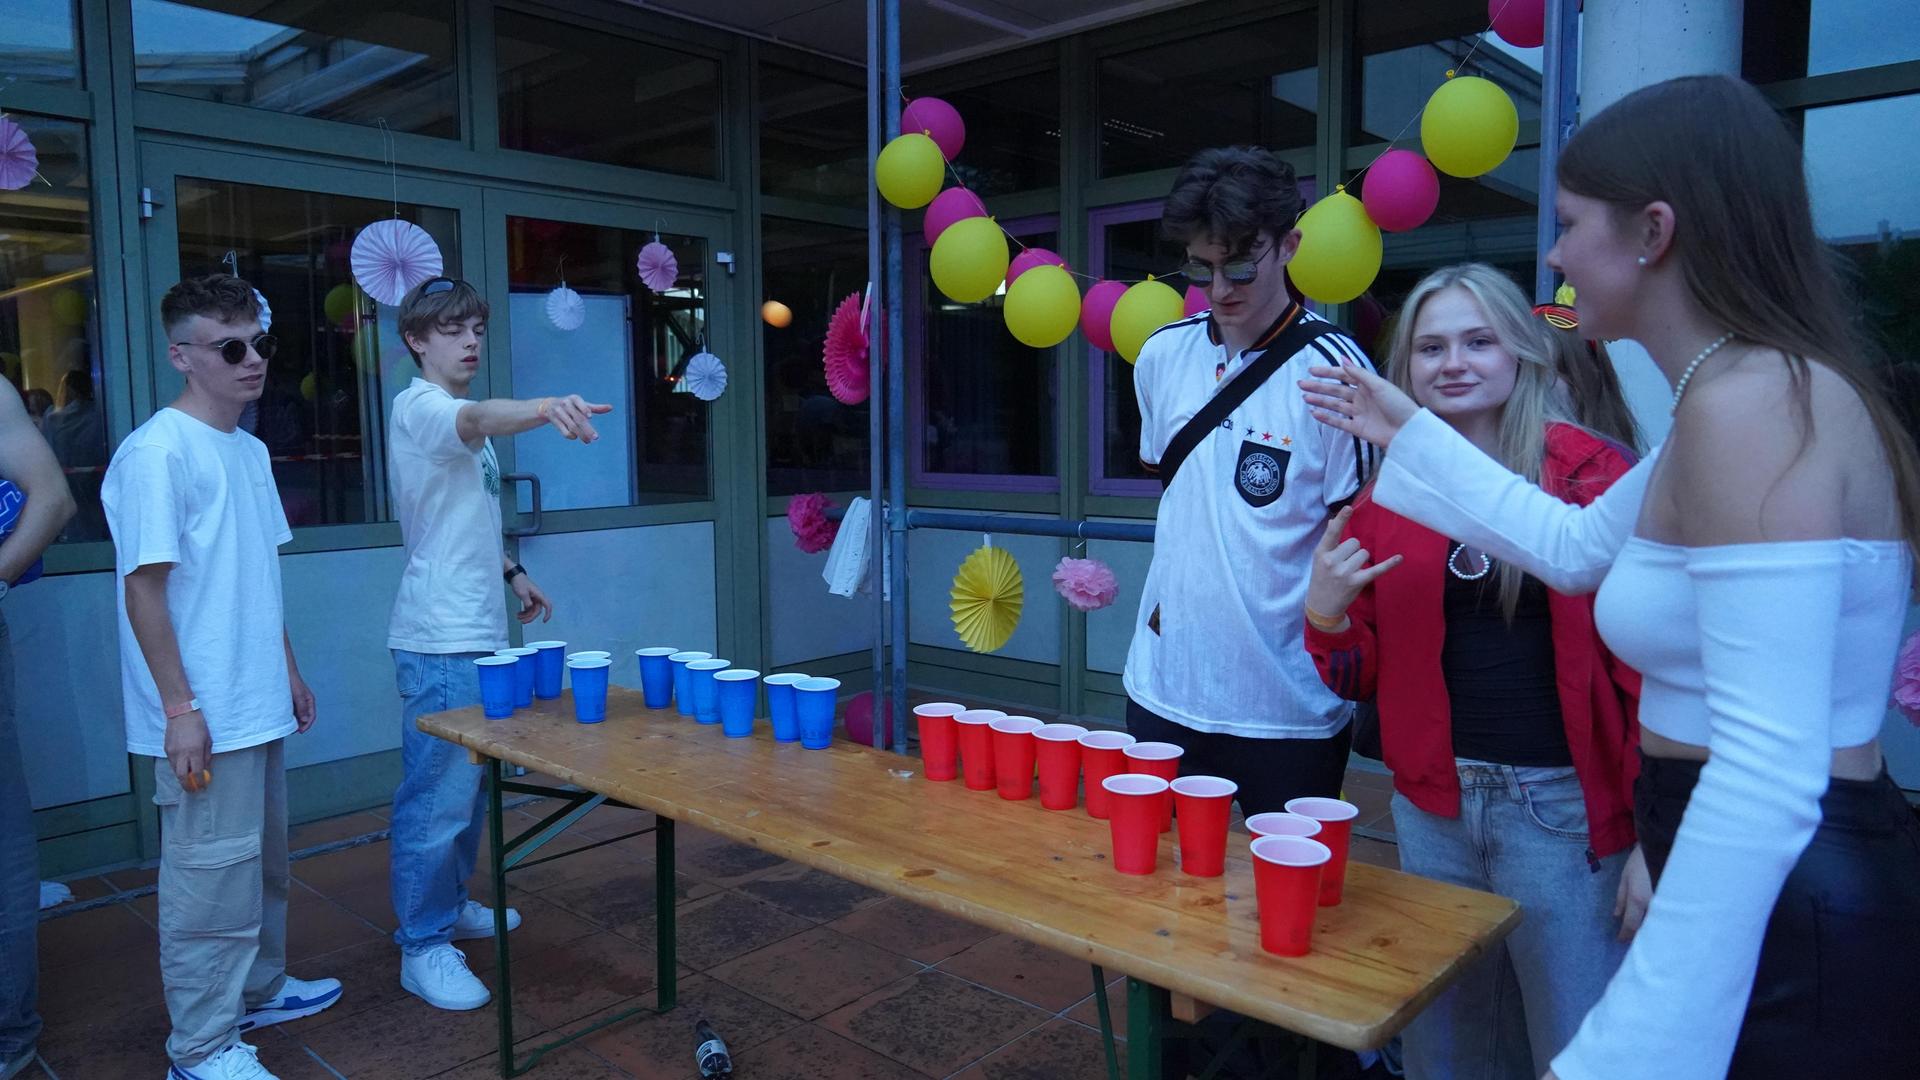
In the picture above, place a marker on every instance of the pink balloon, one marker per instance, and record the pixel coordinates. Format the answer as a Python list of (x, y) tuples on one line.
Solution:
[(1197, 300), (951, 205), (860, 718), (939, 120), (1400, 191), (1520, 23), (1030, 258), (1096, 312)]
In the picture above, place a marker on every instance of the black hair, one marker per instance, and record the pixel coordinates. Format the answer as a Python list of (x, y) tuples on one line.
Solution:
[(1230, 195), (220, 297)]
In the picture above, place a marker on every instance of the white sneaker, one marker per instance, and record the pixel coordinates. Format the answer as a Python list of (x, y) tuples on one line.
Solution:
[(440, 978), (476, 921), (298, 998), (236, 1062)]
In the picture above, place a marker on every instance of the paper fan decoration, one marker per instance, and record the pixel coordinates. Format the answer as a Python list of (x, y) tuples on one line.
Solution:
[(19, 161), (565, 309), (987, 597), (657, 266), (392, 256), (845, 355), (706, 376), (1087, 584), (266, 310)]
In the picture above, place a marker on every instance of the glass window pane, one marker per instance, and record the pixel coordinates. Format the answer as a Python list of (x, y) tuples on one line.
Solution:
[(1407, 47), (1788, 39), (49, 333), (39, 42), (352, 60), (814, 443), (1258, 83), (1013, 132), (577, 93), (630, 351), (323, 414), (813, 136), (989, 400), (1133, 249)]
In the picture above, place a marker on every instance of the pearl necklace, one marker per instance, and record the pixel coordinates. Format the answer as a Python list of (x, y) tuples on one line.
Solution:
[(1686, 376), (1485, 568)]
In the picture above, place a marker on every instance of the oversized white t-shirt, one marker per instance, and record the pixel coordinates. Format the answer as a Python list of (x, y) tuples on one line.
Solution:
[(179, 491), (447, 495), (1217, 644)]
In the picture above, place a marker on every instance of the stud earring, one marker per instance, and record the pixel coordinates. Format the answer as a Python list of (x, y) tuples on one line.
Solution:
[(1642, 260)]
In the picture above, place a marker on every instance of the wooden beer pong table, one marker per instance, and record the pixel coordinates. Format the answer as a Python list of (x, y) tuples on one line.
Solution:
[(869, 816)]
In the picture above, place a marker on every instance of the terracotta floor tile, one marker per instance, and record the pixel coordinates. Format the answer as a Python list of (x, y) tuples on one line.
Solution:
[(1367, 778), (607, 821), (1376, 852), (285, 1057), (407, 1038), (566, 1063), (618, 896), (372, 902), (328, 830), (661, 1044), (590, 863), (340, 870), (542, 926), (810, 1052), (1060, 1050), (934, 1022), (815, 972), (133, 877), (369, 975), (718, 928), (912, 930), (316, 925), (556, 985), (74, 985), (1040, 977), (1088, 1011), (811, 894), (107, 1043), (89, 888), (109, 936), (726, 864)]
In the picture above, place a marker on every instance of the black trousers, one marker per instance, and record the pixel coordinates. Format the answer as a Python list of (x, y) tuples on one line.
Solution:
[(1836, 994), (1269, 771)]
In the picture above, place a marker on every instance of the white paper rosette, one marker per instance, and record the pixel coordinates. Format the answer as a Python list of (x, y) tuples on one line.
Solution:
[(392, 256), (706, 376)]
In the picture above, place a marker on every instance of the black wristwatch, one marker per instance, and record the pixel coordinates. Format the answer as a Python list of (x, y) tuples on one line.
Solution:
[(516, 568)]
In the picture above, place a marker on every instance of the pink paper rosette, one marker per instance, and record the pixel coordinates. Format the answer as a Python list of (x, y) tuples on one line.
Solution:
[(812, 532), (19, 161), (657, 267), (845, 354), (392, 256), (1906, 680), (1087, 584)]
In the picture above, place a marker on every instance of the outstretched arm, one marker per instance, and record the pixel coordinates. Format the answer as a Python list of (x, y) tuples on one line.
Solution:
[(570, 415)]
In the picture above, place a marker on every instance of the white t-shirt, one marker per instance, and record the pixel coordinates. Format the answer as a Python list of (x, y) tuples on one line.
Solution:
[(447, 495), (179, 491), (1217, 643)]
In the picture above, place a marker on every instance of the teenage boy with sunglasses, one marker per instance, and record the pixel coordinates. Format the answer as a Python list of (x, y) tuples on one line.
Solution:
[(209, 682), (446, 492), (1217, 664)]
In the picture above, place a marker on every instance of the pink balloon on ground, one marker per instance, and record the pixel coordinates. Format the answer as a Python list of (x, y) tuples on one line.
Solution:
[(1096, 312), (1400, 191), (860, 718), (1030, 258), (1197, 300), (1520, 23), (939, 120), (951, 205)]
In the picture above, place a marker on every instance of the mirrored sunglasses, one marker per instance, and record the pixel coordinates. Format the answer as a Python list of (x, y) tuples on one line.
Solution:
[(234, 350)]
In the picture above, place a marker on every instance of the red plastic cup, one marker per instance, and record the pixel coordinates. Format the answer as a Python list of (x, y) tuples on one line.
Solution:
[(1161, 759), (1013, 753), (1286, 882), (1101, 757), (1135, 800), (1057, 748), (1336, 829), (1204, 804), (1279, 823), (939, 742), (976, 746)]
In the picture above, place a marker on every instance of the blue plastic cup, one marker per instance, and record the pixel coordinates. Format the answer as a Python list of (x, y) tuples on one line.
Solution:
[(736, 691), (590, 654), (682, 682), (706, 701), (813, 703), (548, 665), (589, 689), (786, 723), (522, 674), (656, 675), (496, 685)]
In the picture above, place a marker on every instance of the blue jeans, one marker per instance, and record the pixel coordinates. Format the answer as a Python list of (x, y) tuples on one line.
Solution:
[(1521, 833), (19, 879), (440, 807)]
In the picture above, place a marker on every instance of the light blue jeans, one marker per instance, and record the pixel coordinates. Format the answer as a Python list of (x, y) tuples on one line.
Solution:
[(440, 807), (1521, 833), (19, 879)]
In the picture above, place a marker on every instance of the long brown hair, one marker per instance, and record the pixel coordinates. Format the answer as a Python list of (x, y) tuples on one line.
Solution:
[(1596, 400), (1712, 148)]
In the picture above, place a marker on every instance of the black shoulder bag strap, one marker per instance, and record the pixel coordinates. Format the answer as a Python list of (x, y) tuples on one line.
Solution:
[(1298, 335)]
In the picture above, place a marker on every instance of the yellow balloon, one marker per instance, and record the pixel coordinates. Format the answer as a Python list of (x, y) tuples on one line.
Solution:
[(1142, 309), (1043, 306), (1469, 127), (1339, 252), (909, 171), (969, 260)]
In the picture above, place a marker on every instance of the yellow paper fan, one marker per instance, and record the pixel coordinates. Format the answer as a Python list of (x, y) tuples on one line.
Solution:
[(987, 597)]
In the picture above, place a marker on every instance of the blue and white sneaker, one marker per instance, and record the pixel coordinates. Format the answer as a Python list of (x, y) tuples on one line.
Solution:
[(298, 998), (476, 921), (236, 1062)]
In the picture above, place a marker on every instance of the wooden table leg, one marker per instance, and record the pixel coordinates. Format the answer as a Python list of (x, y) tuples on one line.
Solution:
[(665, 936), (1146, 1027)]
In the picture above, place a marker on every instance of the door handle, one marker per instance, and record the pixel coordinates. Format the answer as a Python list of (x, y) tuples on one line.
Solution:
[(529, 478)]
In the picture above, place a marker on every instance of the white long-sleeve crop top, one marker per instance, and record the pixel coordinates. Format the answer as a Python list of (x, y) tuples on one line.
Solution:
[(1739, 648)]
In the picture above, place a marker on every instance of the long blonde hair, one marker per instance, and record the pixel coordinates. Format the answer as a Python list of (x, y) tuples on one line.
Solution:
[(1535, 402)]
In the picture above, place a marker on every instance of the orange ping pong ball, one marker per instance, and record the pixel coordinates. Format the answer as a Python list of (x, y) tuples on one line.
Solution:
[(776, 314)]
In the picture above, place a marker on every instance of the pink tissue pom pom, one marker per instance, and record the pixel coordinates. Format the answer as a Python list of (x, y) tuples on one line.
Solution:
[(1906, 680), (1087, 584), (812, 532)]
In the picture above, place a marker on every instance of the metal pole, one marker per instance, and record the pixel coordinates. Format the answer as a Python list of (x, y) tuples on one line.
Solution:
[(1559, 104), (876, 430), (896, 409), (1014, 525)]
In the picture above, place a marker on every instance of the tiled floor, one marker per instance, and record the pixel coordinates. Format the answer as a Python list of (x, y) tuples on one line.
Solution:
[(807, 977)]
